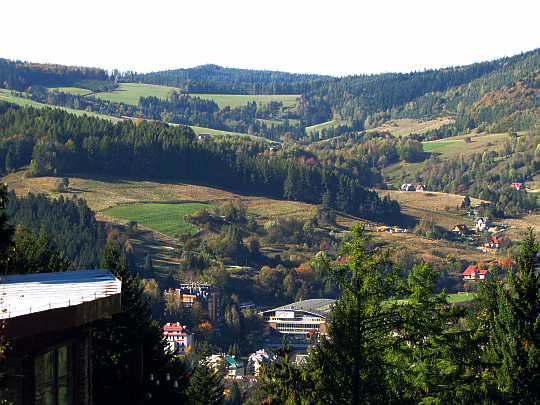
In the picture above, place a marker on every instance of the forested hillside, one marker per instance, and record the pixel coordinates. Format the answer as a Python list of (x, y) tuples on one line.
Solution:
[(69, 223), (53, 142), (213, 79), (500, 95)]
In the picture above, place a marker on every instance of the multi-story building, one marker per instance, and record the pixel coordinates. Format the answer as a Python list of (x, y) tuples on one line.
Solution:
[(301, 320), (178, 337), (188, 293)]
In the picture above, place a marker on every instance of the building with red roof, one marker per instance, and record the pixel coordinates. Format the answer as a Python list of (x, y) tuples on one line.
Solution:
[(178, 337), (473, 273)]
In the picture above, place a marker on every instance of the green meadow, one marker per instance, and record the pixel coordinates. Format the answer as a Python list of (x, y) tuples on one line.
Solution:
[(320, 127), (130, 93), (165, 218), (23, 102), (76, 91)]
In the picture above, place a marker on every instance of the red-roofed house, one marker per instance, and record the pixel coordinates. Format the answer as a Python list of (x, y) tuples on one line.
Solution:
[(460, 230), (518, 186), (420, 188), (472, 273), (493, 242), (178, 337)]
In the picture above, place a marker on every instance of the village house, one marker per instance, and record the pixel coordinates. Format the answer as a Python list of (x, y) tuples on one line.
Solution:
[(48, 323), (234, 367), (406, 187), (481, 223), (493, 242), (420, 188), (260, 357), (460, 230), (178, 338), (189, 293), (473, 273), (518, 186)]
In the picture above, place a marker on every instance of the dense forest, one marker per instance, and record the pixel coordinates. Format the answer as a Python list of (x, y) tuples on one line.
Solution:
[(70, 224), (213, 79)]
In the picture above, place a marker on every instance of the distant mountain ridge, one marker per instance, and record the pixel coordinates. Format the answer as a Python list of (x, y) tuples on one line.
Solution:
[(499, 95), (216, 79)]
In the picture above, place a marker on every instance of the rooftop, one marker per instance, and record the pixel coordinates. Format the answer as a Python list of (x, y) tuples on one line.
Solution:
[(31, 293), (316, 306)]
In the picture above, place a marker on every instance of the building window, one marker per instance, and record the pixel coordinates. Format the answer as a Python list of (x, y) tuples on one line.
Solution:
[(59, 376)]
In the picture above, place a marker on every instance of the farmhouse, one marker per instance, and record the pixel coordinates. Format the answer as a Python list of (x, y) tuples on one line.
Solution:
[(460, 230), (234, 367), (178, 337), (473, 273), (518, 186), (48, 322), (493, 242), (481, 223), (406, 187), (420, 188)]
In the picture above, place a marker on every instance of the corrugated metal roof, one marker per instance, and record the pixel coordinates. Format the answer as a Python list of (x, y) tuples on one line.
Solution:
[(30, 293), (319, 306)]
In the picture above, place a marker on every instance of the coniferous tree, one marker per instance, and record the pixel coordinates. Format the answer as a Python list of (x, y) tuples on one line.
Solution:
[(235, 396), (435, 359), (204, 387), (128, 346), (511, 319)]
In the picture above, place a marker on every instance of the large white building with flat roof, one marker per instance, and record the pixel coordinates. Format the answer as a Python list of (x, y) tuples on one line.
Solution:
[(300, 319)]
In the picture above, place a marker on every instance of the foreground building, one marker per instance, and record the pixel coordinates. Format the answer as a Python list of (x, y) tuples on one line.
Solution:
[(48, 323)]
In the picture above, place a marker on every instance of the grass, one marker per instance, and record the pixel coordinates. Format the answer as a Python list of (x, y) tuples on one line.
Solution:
[(238, 100), (436, 145), (23, 102), (71, 90), (320, 127), (130, 93), (452, 298), (165, 218), (218, 132), (407, 126), (278, 121)]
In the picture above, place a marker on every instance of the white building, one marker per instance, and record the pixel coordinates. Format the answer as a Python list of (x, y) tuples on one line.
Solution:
[(260, 357), (177, 337)]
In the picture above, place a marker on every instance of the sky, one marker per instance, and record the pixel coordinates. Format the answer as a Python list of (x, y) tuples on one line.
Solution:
[(337, 37)]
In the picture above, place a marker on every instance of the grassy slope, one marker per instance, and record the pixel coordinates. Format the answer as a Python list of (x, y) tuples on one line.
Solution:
[(76, 91), (406, 126), (165, 218), (102, 193), (130, 93), (6, 96), (445, 149)]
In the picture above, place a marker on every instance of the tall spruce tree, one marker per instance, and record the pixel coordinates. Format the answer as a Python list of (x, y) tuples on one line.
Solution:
[(351, 364), (204, 387), (435, 359), (511, 319), (128, 346)]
